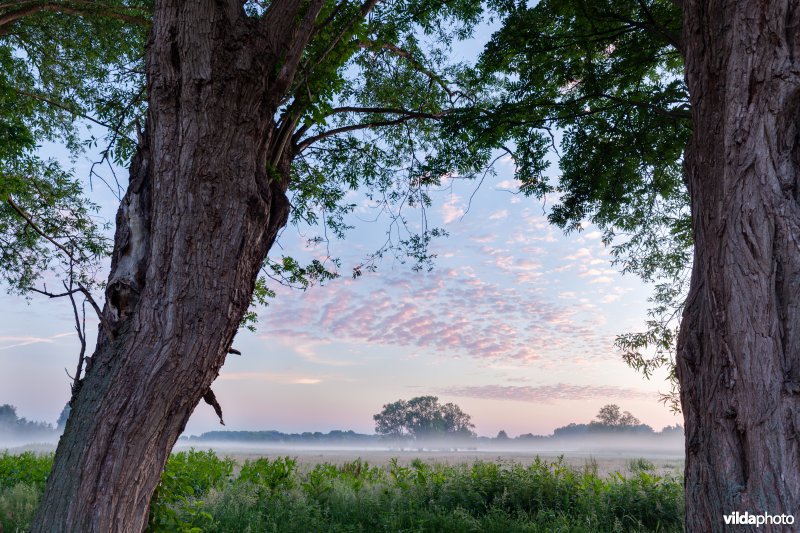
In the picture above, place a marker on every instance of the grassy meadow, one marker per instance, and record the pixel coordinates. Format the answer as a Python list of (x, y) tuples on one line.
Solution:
[(201, 491)]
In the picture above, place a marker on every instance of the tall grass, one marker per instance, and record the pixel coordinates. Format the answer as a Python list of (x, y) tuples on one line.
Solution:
[(22, 480), (202, 492)]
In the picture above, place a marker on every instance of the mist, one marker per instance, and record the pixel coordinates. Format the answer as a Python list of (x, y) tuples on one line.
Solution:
[(379, 450)]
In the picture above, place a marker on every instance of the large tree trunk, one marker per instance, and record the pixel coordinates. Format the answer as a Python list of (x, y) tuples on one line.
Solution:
[(204, 204), (739, 348)]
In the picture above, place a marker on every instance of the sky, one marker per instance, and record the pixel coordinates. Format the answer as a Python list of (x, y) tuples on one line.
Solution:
[(515, 323)]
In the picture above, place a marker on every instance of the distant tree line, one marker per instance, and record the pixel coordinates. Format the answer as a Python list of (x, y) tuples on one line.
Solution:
[(420, 421), (610, 420), (423, 421), (13, 428), (307, 437)]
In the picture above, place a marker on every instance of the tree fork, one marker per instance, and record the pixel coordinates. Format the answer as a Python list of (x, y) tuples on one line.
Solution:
[(738, 357), (197, 221)]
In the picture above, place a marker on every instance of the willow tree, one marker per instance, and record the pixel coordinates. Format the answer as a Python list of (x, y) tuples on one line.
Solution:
[(680, 129), (235, 118)]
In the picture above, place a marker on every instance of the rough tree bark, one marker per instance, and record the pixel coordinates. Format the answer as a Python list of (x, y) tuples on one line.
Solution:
[(739, 347), (205, 201)]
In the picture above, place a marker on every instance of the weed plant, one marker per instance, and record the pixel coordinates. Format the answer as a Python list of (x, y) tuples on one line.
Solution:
[(201, 492)]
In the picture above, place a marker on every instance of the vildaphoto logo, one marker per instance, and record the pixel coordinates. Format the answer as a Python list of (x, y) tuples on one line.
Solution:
[(743, 519)]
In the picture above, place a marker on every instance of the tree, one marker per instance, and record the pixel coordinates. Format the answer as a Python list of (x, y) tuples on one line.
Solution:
[(609, 415), (8, 415), (423, 418), (679, 123), (739, 335), (62, 418), (16, 429), (248, 104)]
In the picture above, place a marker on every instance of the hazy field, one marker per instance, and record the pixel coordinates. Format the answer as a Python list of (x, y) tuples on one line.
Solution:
[(221, 488), (667, 459), (607, 462)]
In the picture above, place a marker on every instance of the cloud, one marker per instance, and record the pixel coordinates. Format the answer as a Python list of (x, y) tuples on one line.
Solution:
[(580, 253), (270, 377), (452, 209), (545, 393), (483, 239), (509, 185), (596, 272), (449, 312), (499, 215), (16, 342), (309, 351)]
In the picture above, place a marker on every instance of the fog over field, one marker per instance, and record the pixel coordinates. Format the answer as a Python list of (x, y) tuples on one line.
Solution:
[(607, 453)]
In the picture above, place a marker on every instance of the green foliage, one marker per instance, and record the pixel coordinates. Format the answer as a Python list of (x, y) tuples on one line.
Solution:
[(26, 468), (17, 506), (371, 116), (177, 503), (200, 493), (610, 415), (343, 120), (423, 418), (57, 70), (607, 78), (270, 475), (640, 465)]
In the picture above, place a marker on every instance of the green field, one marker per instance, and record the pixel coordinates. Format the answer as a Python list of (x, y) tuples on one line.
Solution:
[(201, 491)]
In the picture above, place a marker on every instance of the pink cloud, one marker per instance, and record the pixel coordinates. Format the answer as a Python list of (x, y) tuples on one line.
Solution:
[(447, 312), (545, 393)]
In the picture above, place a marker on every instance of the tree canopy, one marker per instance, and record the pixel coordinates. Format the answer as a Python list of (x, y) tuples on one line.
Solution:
[(423, 418), (610, 415), (597, 86), (74, 74), (69, 80)]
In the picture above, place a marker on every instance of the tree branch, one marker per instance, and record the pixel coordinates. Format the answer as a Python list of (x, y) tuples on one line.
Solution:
[(68, 109), (366, 7), (408, 115), (677, 113), (106, 325), (80, 327), (74, 7), (388, 111), (21, 212), (400, 52), (651, 25), (288, 30)]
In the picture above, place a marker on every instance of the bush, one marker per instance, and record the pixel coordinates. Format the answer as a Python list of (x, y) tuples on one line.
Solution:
[(177, 504), (28, 468), (17, 506), (199, 492)]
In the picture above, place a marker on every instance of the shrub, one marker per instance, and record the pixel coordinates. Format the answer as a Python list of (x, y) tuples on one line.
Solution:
[(17, 506)]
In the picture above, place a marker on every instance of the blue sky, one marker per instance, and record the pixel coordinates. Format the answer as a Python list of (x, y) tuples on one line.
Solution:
[(515, 324)]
